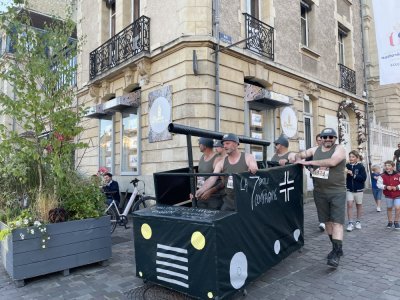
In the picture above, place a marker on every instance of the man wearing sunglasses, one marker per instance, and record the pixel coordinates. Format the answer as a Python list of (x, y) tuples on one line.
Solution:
[(329, 162)]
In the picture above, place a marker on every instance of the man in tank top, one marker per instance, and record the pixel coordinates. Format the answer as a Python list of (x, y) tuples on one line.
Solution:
[(234, 162), (212, 198), (282, 154), (329, 161)]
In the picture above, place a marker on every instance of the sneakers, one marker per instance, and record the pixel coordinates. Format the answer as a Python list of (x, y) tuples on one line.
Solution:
[(358, 225), (350, 227), (396, 225), (321, 226), (389, 225), (378, 209)]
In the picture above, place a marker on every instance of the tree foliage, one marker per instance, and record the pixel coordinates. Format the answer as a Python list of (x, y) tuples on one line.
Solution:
[(36, 154)]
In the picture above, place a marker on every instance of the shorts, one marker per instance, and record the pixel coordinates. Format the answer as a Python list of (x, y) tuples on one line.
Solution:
[(358, 196), (331, 207), (377, 194), (390, 202)]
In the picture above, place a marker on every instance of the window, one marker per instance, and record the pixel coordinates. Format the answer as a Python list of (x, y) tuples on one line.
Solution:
[(135, 9), (308, 121), (112, 19), (130, 143), (257, 132), (253, 8), (342, 34), (106, 142), (304, 16)]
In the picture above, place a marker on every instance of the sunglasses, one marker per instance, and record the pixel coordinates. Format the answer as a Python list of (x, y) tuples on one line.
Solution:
[(328, 137)]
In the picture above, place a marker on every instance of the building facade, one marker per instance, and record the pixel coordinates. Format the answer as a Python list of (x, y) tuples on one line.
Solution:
[(251, 67)]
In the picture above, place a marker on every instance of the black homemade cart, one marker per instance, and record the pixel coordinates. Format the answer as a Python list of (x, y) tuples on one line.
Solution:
[(209, 254)]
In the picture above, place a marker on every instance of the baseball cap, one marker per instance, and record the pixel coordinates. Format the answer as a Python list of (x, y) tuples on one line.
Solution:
[(218, 143), (328, 132), (230, 137), (206, 142), (282, 140)]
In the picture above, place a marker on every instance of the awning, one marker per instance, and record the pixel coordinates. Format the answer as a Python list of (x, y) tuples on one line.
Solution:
[(264, 96), (131, 100)]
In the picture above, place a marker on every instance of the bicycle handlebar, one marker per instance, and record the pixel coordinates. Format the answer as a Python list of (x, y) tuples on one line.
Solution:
[(135, 181)]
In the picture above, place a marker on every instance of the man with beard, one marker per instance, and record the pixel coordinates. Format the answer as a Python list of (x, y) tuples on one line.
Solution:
[(329, 161), (211, 199), (234, 162)]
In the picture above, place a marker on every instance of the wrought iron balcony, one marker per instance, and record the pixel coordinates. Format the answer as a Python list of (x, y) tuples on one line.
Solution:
[(129, 42), (259, 37), (347, 79)]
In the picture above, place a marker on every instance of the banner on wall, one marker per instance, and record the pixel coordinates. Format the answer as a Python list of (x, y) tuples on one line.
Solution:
[(387, 30)]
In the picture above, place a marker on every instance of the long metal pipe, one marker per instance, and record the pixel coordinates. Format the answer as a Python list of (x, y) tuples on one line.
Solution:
[(217, 101), (187, 130)]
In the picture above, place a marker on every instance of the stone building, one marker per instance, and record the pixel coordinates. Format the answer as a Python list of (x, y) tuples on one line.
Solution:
[(252, 67)]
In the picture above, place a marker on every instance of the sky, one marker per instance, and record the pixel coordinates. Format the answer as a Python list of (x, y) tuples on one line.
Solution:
[(3, 4)]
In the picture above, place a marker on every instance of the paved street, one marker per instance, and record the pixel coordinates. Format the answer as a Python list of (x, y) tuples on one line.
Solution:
[(370, 269)]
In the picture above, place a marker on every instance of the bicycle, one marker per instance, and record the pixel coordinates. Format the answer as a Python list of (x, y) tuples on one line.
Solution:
[(136, 201)]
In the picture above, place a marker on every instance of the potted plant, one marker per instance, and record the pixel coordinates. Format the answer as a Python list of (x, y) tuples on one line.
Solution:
[(51, 216)]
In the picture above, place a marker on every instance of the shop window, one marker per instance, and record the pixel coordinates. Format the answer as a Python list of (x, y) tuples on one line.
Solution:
[(106, 143), (130, 143), (308, 136)]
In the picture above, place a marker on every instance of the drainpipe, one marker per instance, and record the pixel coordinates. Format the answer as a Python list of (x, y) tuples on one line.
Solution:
[(217, 104), (362, 2)]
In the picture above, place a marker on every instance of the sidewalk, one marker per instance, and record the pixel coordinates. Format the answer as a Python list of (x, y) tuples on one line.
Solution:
[(369, 269)]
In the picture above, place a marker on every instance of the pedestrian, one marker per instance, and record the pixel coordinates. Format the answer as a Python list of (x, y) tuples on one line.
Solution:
[(377, 192), (396, 158), (212, 198), (234, 162), (329, 161), (389, 182), (282, 154), (111, 189), (355, 184)]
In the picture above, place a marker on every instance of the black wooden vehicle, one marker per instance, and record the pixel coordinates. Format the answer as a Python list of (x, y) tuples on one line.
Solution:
[(210, 254)]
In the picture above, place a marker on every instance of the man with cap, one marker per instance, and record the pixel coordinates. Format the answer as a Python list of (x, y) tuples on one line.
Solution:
[(234, 162), (212, 198), (219, 148), (282, 154), (329, 162)]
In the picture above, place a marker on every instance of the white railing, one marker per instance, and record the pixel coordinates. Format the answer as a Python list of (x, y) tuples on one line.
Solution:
[(383, 142)]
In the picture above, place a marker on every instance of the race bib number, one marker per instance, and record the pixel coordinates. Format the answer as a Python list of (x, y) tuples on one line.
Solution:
[(321, 172), (229, 185), (200, 182)]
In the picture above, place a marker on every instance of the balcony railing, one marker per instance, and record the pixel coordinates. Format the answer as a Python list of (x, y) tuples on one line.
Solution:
[(259, 37), (347, 79), (129, 42)]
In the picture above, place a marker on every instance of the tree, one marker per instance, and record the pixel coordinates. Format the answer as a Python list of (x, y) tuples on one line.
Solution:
[(37, 157)]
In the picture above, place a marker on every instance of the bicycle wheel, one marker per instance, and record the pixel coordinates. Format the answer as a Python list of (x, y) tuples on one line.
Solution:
[(144, 202), (113, 218)]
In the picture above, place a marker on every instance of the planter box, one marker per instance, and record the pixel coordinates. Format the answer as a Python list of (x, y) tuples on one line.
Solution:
[(72, 244)]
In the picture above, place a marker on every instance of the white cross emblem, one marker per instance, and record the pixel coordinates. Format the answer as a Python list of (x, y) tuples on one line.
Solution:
[(285, 184)]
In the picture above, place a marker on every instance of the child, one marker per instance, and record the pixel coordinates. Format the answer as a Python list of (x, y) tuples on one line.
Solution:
[(355, 180), (377, 192), (389, 182)]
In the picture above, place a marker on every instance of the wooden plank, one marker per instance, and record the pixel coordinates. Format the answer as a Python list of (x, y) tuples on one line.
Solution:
[(64, 227), (60, 264), (60, 251), (23, 246)]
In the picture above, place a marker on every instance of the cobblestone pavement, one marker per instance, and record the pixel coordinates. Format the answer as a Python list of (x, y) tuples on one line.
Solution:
[(370, 269)]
